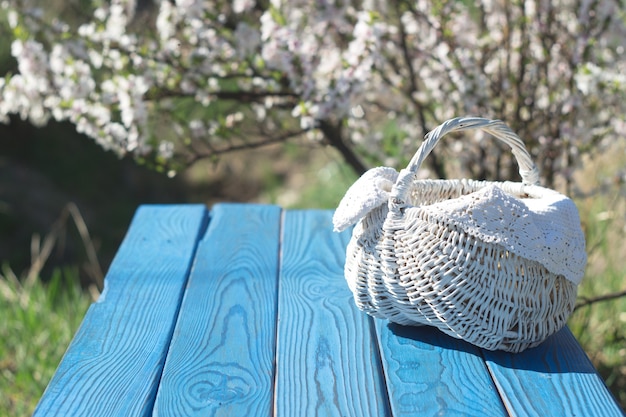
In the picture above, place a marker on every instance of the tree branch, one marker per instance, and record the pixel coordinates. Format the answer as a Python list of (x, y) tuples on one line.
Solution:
[(433, 161), (199, 154), (242, 96), (605, 297), (333, 134)]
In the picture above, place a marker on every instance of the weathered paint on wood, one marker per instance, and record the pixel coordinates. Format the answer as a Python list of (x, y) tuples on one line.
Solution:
[(327, 360), (114, 363), (554, 379), (431, 374), (221, 360)]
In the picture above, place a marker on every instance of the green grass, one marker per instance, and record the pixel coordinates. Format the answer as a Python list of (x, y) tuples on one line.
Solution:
[(38, 323), (601, 326), (328, 185)]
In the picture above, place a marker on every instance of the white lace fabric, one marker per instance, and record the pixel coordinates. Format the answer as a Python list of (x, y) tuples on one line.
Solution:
[(546, 230), (367, 193)]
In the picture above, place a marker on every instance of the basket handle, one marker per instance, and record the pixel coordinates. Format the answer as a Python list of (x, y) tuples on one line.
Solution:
[(497, 128)]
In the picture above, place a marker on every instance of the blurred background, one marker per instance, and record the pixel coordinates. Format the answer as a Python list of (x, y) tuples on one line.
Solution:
[(66, 203)]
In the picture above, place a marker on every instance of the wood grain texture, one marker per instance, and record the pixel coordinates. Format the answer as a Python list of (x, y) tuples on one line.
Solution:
[(554, 379), (327, 360), (113, 365), (431, 374), (233, 340), (221, 359)]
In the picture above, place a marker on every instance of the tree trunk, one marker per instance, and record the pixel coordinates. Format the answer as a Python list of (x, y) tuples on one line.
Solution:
[(333, 133)]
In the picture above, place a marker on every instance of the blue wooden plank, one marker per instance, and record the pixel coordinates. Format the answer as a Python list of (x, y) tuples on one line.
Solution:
[(554, 379), (114, 363), (327, 360), (221, 359), (429, 373)]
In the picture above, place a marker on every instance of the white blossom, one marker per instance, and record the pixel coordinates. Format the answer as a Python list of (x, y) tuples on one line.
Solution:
[(240, 6), (247, 38), (303, 62)]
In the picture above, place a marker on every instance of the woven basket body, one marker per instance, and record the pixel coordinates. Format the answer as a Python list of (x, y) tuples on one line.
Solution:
[(493, 263)]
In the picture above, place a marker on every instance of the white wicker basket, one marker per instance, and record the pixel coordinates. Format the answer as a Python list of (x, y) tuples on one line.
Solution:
[(493, 263)]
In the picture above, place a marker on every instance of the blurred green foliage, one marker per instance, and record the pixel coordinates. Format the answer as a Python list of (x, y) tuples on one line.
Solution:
[(38, 322)]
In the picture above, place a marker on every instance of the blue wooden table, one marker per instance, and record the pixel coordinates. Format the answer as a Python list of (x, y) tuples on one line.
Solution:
[(244, 311)]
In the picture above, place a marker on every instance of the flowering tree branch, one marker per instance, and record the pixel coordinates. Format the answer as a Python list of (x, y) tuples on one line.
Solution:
[(369, 78)]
